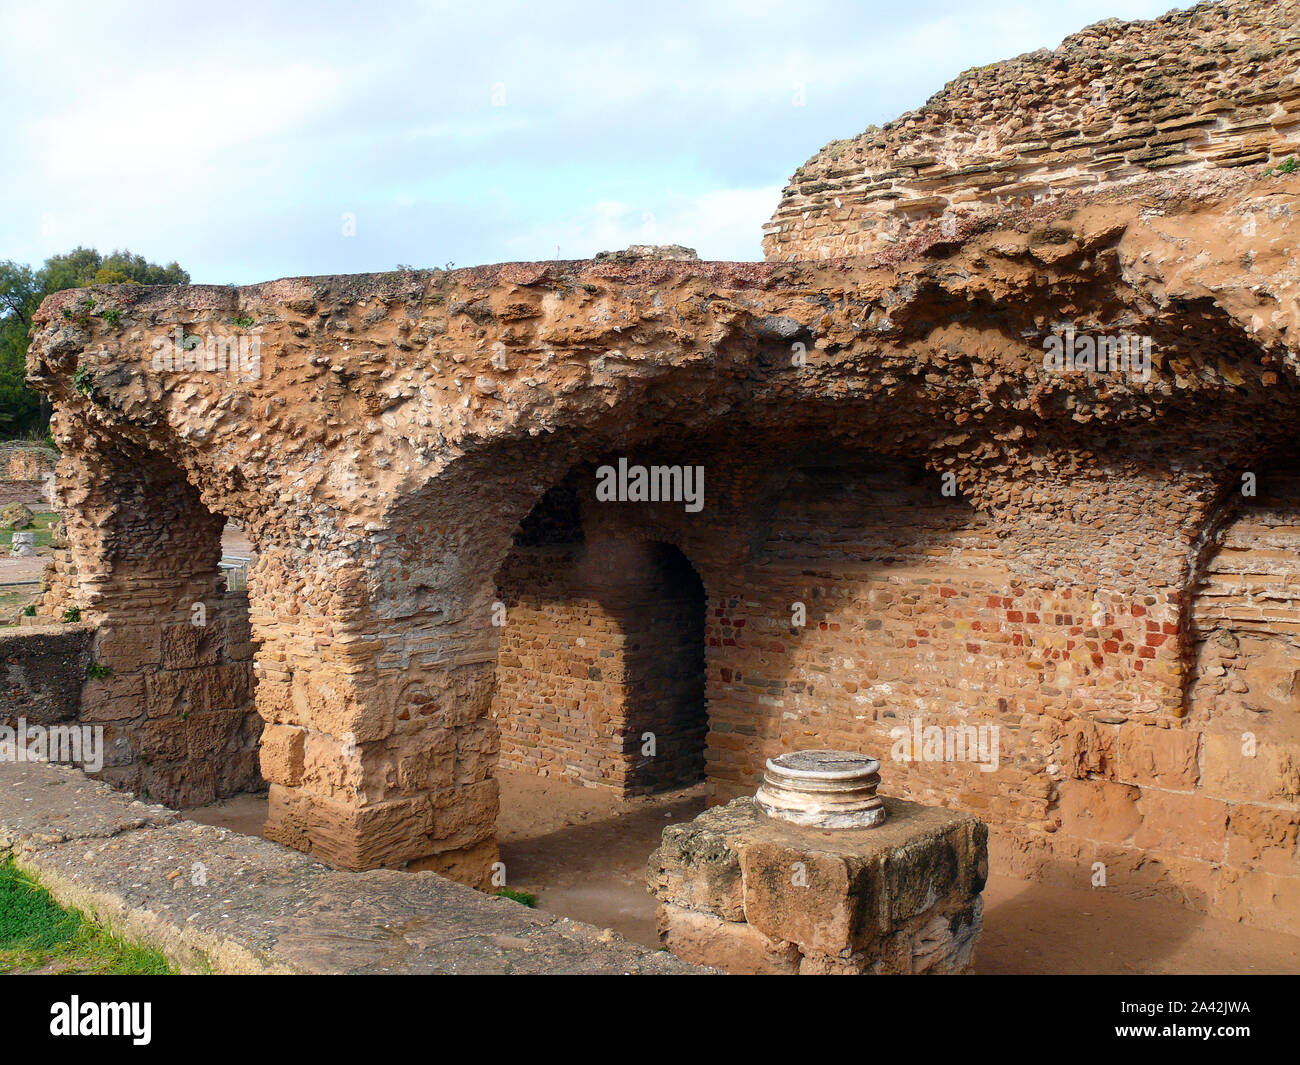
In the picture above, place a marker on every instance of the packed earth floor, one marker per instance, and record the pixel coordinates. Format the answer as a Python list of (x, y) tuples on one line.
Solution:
[(582, 852)]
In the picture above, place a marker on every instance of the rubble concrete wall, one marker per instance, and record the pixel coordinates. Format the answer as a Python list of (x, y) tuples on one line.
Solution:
[(42, 670), (1213, 87)]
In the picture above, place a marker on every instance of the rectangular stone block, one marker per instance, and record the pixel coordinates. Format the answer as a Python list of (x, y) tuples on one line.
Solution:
[(844, 898), (735, 947), (1165, 757), (1184, 825), (696, 868)]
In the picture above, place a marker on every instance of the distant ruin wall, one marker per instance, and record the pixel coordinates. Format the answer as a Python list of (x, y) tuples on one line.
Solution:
[(31, 493), (26, 462), (1212, 87)]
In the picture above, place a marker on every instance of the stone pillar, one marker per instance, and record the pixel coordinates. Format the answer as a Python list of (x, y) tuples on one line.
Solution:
[(749, 894), (378, 745), (171, 672)]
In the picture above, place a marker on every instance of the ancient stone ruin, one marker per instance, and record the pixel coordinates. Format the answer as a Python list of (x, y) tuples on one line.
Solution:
[(26, 474), (989, 472)]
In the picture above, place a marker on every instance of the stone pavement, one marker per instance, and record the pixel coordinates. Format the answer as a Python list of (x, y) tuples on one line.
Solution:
[(216, 901)]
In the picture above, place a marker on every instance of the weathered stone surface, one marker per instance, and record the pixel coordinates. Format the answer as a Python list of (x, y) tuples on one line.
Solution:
[(899, 897), (213, 900), (16, 516), (733, 946), (1208, 87), (22, 545), (42, 671)]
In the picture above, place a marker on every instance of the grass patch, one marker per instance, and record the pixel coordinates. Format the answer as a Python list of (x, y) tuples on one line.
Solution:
[(524, 898), (40, 526), (16, 597), (38, 935)]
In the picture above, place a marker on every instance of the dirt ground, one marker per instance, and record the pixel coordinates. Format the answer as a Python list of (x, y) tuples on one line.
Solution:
[(583, 854)]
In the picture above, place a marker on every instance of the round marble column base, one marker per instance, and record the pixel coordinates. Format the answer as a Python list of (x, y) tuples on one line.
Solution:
[(822, 789)]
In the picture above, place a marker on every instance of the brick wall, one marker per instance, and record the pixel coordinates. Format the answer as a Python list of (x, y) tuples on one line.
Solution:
[(602, 653)]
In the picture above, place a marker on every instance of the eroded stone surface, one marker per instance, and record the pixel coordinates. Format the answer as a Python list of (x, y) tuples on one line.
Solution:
[(903, 897), (1212, 87), (215, 900)]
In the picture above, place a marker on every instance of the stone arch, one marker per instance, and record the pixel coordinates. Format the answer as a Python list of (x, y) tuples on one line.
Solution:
[(173, 680)]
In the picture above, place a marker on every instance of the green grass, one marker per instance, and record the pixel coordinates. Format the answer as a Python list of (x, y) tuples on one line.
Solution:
[(14, 598), (524, 898), (40, 525), (38, 935)]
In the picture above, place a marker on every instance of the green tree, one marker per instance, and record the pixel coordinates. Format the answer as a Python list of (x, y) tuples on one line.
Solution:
[(22, 410)]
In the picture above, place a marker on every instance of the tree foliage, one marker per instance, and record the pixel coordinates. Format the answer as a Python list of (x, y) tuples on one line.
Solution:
[(24, 412)]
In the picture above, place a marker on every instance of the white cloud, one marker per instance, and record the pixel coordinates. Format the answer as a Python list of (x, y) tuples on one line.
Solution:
[(180, 118), (232, 137), (723, 224)]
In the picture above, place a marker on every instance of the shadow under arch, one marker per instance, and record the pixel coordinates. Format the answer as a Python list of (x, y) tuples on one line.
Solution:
[(601, 669), (1242, 606)]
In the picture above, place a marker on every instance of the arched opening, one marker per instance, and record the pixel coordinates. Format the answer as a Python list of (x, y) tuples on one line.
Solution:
[(600, 677), (601, 708), (172, 680)]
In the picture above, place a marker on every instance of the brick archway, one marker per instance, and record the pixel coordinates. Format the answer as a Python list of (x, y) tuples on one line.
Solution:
[(601, 672)]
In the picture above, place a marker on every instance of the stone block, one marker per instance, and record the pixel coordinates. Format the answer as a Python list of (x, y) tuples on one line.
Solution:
[(282, 754), (1182, 824), (847, 900), (822, 902), (735, 947), (1249, 768), (185, 646), (1264, 838), (1164, 757), (1089, 749), (1099, 810)]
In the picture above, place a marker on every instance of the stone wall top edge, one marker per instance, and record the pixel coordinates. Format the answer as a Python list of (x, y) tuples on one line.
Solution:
[(396, 286), (412, 284)]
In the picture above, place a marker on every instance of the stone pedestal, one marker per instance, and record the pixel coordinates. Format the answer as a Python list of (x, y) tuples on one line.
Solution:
[(750, 894), (23, 545)]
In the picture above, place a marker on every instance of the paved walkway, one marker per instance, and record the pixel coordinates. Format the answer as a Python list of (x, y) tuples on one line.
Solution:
[(214, 900)]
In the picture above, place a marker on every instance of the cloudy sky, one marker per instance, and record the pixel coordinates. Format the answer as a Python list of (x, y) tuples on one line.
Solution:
[(253, 141)]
